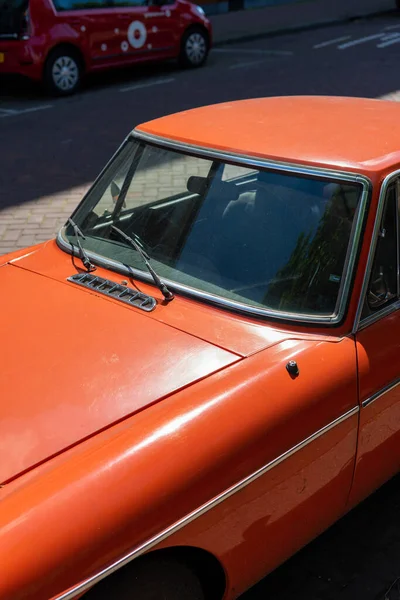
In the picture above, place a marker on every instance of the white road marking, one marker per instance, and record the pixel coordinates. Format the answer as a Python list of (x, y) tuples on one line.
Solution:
[(13, 113), (251, 51), (34, 109), (393, 26), (335, 41), (389, 36), (396, 40), (360, 41), (246, 64), (139, 86)]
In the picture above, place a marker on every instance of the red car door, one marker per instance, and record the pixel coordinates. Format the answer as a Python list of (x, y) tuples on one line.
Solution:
[(94, 23), (144, 31), (378, 352), (164, 24)]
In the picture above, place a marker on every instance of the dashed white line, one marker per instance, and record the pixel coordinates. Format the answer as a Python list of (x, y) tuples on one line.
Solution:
[(246, 64), (335, 41), (360, 41), (34, 109), (393, 26), (395, 40), (390, 36), (14, 112), (139, 86), (255, 51)]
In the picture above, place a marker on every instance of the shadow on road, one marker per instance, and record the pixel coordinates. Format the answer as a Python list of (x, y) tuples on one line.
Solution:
[(358, 558), (67, 145)]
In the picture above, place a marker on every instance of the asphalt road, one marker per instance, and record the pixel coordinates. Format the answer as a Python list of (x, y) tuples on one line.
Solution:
[(49, 147)]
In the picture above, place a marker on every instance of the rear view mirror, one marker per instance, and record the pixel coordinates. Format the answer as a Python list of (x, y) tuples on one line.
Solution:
[(223, 190), (115, 191), (197, 185)]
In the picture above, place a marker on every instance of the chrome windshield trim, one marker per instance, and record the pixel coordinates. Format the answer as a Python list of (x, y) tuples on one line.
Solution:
[(382, 392), (158, 538), (359, 323), (195, 294), (244, 159), (353, 248)]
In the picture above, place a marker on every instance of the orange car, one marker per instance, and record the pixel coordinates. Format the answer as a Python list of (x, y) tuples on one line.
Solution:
[(199, 375)]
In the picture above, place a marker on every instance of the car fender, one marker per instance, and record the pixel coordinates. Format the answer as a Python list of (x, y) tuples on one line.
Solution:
[(125, 490)]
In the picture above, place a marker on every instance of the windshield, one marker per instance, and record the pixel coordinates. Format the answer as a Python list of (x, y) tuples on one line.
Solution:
[(261, 238)]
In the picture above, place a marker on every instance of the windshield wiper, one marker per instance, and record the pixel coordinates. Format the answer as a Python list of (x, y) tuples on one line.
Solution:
[(89, 266), (137, 245)]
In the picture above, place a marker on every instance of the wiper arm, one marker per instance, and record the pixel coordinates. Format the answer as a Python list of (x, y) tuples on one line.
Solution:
[(137, 245), (89, 266)]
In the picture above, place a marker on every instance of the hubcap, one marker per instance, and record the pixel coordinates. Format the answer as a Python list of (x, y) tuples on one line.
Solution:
[(65, 73), (196, 48)]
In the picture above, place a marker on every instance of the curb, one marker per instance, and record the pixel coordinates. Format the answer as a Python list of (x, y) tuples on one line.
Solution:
[(300, 28)]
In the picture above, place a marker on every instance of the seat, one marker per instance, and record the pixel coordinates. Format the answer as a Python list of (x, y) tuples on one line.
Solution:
[(258, 234)]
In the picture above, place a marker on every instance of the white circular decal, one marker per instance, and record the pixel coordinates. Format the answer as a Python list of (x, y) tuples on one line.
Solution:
[(124, 46), (137, 34)]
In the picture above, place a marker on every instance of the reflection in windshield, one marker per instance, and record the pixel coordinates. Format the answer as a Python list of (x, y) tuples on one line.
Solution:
[(262, 238)]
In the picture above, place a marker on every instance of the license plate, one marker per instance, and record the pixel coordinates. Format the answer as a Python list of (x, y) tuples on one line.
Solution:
[(2, 57)]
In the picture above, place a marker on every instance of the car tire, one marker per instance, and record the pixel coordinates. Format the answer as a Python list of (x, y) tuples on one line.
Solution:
[(194, 48), (151, 579), (63, 72)]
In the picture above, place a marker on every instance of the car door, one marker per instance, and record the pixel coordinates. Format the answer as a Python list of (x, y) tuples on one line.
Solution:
[(144, 31), (378, 353), (93, 21)]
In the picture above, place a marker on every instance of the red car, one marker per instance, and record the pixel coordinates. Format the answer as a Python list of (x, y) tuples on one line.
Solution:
[(59, 41)]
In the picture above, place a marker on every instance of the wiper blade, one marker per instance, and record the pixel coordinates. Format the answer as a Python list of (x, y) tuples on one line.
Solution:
[(138, 246), (89, 266)]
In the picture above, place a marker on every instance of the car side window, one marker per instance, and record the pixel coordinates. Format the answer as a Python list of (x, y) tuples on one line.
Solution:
[(382, 288), (129, 3), (61, 5)]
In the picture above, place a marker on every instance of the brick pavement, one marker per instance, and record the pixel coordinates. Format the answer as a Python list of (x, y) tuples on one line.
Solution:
[(39, 220), (36, 221)]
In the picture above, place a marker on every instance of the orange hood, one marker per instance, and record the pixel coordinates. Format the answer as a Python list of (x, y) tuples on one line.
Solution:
[(74, 363)]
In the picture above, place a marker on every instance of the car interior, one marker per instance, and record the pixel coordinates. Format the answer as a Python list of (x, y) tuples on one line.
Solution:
[(263, 238)]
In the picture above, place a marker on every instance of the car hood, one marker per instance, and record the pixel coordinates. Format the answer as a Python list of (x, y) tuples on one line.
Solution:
[(74, 363)]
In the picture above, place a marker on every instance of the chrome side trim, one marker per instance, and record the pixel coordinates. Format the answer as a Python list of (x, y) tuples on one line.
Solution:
[(382, 392), (383, 312), (358, 324), (349, 265), (139, 550)]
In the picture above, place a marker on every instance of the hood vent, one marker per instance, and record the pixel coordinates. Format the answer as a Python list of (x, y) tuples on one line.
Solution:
[(115, 290)]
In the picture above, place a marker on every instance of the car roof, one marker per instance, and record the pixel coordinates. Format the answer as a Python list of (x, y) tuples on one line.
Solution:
[(356, 134)]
